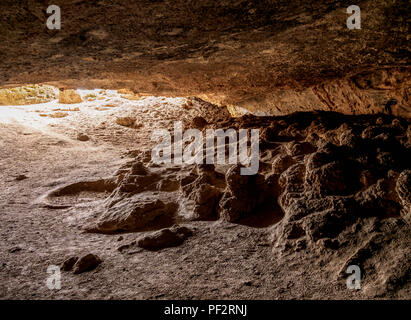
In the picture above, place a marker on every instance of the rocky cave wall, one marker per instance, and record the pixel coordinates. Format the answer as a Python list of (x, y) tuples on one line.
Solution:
[(270, 57)]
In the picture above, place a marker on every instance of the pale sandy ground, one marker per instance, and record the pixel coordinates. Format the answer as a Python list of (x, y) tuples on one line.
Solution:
[(221, 260)]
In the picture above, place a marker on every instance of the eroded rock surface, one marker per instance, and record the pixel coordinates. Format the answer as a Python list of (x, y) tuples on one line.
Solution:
[(331, 188), (270, 57)]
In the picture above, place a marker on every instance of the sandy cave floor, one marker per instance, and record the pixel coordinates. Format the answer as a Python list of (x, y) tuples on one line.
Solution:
[(221, 261)]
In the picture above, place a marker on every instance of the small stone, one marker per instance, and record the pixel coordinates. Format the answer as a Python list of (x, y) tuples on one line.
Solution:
[(120, 238), (86, 263), (247, 283), (14, 249), (82, 137), (69, 263), (125, 247), (21, 177), (126, 121)]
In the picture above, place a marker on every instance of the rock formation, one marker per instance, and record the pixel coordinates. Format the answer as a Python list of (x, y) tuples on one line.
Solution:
[(270, 57), (332, 187), (331, 105)]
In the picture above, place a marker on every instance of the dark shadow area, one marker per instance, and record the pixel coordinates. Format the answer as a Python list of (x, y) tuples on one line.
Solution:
[(265, 216)]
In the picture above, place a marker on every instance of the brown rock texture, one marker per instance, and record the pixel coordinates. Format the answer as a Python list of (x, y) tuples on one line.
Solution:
[(165, 238), (69, 263), (86, 263), (404, 193), (332, 108), (331, 188), (269, 57)]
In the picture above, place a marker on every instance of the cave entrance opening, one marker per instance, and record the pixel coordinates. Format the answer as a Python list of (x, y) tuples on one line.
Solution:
[(38, 105)]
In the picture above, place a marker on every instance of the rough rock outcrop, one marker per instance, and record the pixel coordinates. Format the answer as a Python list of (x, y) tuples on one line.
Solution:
[(331, 189), (201, 192)]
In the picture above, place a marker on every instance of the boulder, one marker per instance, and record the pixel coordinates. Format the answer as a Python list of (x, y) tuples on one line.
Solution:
[(165, 238), (86, 263)]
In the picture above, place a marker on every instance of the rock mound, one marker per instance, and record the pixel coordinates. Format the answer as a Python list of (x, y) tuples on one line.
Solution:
[(331, 188), (69, 97), (164, 238), (85, 263)]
